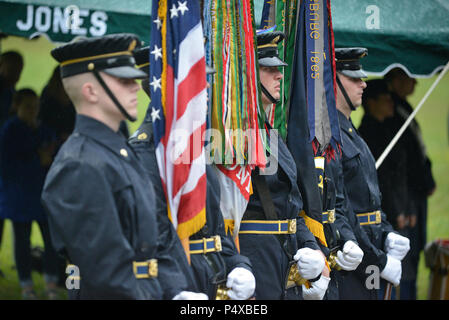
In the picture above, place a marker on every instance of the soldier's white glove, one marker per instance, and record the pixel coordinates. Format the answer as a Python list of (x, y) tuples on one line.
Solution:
[(310, 263), (189, 295), (242, 284), (392, 271), (317, 289), (397, 246), (351, 256)]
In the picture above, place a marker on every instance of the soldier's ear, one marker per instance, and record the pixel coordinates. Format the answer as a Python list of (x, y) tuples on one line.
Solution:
[(90, 92)]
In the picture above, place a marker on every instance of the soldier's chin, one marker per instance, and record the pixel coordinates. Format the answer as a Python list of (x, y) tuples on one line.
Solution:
[(357, 103), (132, 111)]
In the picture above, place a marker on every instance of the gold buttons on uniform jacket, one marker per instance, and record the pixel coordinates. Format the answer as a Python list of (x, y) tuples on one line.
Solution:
[(123, 152), (350, 129), (142, 136)]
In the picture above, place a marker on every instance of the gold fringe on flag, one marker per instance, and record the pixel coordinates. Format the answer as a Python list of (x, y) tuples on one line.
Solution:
[(315, 227)]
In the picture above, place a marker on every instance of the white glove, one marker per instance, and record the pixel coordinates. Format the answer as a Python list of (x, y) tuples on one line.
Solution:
[(189, 295), (310, 263), (242, 284), (392, 271), (397, 246), (317, 290), (350, 257)]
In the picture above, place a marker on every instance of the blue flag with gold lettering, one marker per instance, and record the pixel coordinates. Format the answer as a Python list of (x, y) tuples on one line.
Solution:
[(299, 135), (320, 84)]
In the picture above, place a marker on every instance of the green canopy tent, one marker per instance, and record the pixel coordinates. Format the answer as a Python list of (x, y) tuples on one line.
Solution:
[(413, 35), (63, 20)]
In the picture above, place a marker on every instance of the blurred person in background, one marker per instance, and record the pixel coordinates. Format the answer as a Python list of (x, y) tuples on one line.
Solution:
[(26, 150), (374, 129), (56, 110), (420, 181), (11, 65)]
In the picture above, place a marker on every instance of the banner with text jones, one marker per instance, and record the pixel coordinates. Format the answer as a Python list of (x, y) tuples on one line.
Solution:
[(63, 23)]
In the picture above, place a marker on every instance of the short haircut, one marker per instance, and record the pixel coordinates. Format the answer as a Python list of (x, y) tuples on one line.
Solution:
[(394, 73), (21, 95), (373, 89), (11, 57)]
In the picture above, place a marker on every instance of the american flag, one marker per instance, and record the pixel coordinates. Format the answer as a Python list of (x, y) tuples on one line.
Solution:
[(179, 109)]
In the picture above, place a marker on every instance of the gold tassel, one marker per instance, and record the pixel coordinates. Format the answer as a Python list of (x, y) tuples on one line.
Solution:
[(229, 226), (315, 227), (186, 246)]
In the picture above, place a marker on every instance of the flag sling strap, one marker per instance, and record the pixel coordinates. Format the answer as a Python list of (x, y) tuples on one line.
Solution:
[(113, 97), (265, 196), (345, 94), (268, 207)]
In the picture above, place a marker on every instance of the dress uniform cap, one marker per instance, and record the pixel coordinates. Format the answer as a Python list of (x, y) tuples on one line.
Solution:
[(111, 54), (348, 61), (141, 55), (267, 48)]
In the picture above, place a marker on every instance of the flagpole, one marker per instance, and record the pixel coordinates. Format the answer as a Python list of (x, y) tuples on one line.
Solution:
[(410, 118)]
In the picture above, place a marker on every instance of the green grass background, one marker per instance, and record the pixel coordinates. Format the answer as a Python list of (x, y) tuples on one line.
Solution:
[(433, 119)]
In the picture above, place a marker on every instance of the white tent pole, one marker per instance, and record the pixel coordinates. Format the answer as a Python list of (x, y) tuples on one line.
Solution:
[(410, 118)]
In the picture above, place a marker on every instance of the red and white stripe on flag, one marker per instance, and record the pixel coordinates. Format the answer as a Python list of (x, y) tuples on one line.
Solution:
[(235, 190), (177, 62)]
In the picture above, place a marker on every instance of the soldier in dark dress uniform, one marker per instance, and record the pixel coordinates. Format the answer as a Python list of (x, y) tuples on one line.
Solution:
[(100, 202), (272, 234), (220, 264), (381, 246), (342, 250)]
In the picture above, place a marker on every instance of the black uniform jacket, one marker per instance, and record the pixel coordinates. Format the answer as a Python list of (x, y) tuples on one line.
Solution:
[(270, 261), (213, 268), (340, 231), (175, 273), (419, 166), (205, 270), (102, 213), (362, 191)]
